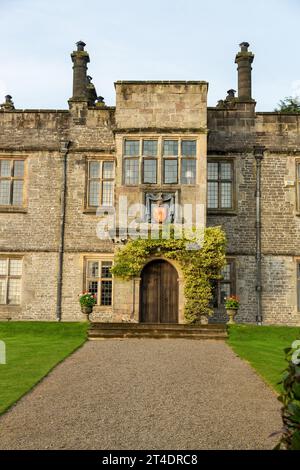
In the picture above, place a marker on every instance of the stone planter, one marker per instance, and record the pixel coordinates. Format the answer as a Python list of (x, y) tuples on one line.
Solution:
[(231, 312), (87, 311)]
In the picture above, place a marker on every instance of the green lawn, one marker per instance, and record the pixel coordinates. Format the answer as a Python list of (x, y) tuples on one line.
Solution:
[(262, 347), (32, 350)]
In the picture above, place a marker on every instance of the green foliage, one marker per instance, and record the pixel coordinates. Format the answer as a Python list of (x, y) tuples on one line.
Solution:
[(290, 398), (199, 266), (87, 299), (232, 303), (289, 105)]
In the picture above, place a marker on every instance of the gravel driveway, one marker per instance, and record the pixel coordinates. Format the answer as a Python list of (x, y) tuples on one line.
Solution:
[(146, 394)]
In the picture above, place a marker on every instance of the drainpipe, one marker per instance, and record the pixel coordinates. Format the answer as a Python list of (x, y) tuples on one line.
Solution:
[(64, 150), (259, 155)]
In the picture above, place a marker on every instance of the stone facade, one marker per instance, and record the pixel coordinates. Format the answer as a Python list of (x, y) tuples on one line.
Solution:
[(55, 226)]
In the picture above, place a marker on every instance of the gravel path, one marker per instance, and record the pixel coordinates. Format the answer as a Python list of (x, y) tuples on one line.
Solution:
[(146, 394)]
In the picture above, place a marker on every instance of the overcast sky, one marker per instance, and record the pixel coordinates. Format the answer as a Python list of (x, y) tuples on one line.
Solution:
[(147, 40)]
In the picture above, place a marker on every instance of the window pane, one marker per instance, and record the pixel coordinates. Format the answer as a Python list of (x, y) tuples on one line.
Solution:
[(15, 267), (14, 291), (170, 171), (94, 169), (105, 269), (3, 267), (94, 191), (150, 148), (4, 192), (108, 170), (5, 168), (2, 291), (93, 288), (212, 171), (93, 269), (225, 292), (212, 200), (107, 193), (226, 171), (17, 193), (106, 291), (131, 171), (149, 171), (188, 171), (226, 195), (226, 272), (171, 148), (19, 168), (188, 148), (132, 148)]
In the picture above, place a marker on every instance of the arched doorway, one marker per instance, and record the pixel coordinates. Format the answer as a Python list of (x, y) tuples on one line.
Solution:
[(159, 293)]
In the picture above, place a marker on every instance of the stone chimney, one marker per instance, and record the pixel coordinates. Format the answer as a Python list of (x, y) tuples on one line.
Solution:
[(80, 60), (244, 60)]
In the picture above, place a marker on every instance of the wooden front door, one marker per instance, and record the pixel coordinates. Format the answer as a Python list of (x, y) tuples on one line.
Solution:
[(159, 293)]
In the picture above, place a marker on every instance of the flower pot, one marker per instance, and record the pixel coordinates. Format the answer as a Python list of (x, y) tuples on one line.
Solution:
[(231, 312), (87, 310)]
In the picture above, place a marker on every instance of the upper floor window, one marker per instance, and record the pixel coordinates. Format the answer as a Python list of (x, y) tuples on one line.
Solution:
[(220, 185), (11, 182), (100, 186), (10, 280), (99, 280), (146, 159), (298, 184)]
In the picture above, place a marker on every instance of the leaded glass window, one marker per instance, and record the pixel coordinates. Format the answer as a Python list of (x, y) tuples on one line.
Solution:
[(170, 171), (99, 281), (10, 281), (100, 183), (220, 185), (224, 287), (11, 182)]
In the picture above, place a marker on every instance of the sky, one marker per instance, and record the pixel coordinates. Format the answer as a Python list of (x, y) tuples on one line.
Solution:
[(147, 40)]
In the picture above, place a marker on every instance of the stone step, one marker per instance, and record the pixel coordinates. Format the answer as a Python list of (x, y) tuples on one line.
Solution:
[(146, 330)]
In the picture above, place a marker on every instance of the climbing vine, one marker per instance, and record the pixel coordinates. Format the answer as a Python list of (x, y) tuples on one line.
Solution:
[(200, 264)]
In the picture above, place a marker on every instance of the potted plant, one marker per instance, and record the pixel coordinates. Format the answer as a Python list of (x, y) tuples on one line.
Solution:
[(232, 305), (87, 302)]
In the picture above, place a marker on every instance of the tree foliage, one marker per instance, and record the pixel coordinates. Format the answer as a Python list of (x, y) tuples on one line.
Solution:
[(290, 104), (199, 266)]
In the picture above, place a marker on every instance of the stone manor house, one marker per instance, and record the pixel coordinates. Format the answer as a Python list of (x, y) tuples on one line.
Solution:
[(161, 146)]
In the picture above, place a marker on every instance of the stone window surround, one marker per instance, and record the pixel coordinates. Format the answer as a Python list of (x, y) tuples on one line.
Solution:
[(97, 257), (11, 208), (232, 261), (8, 256), (160, 158), (226, 159), (91, 158), (298, 186)]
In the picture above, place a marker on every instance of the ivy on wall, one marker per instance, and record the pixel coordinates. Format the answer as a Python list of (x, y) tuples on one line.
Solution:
[(199, 266)]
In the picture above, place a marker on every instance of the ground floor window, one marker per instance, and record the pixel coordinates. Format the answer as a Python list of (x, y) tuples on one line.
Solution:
[(99, 280), (225, 286), (10, 280)]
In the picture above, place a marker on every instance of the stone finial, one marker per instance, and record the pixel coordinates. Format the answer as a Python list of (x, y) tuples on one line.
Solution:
[(8, 105), (244, 46), (230, 95), (80, 46)]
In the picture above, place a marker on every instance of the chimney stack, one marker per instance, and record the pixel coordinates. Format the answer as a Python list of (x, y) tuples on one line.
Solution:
[(80, 60), (244, 60)]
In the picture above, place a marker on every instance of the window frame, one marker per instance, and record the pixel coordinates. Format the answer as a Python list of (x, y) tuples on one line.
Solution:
[(99, 280), (232, 282), (101, 181), (14, 207), (298, 284), (220, 209), (7, 278)]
